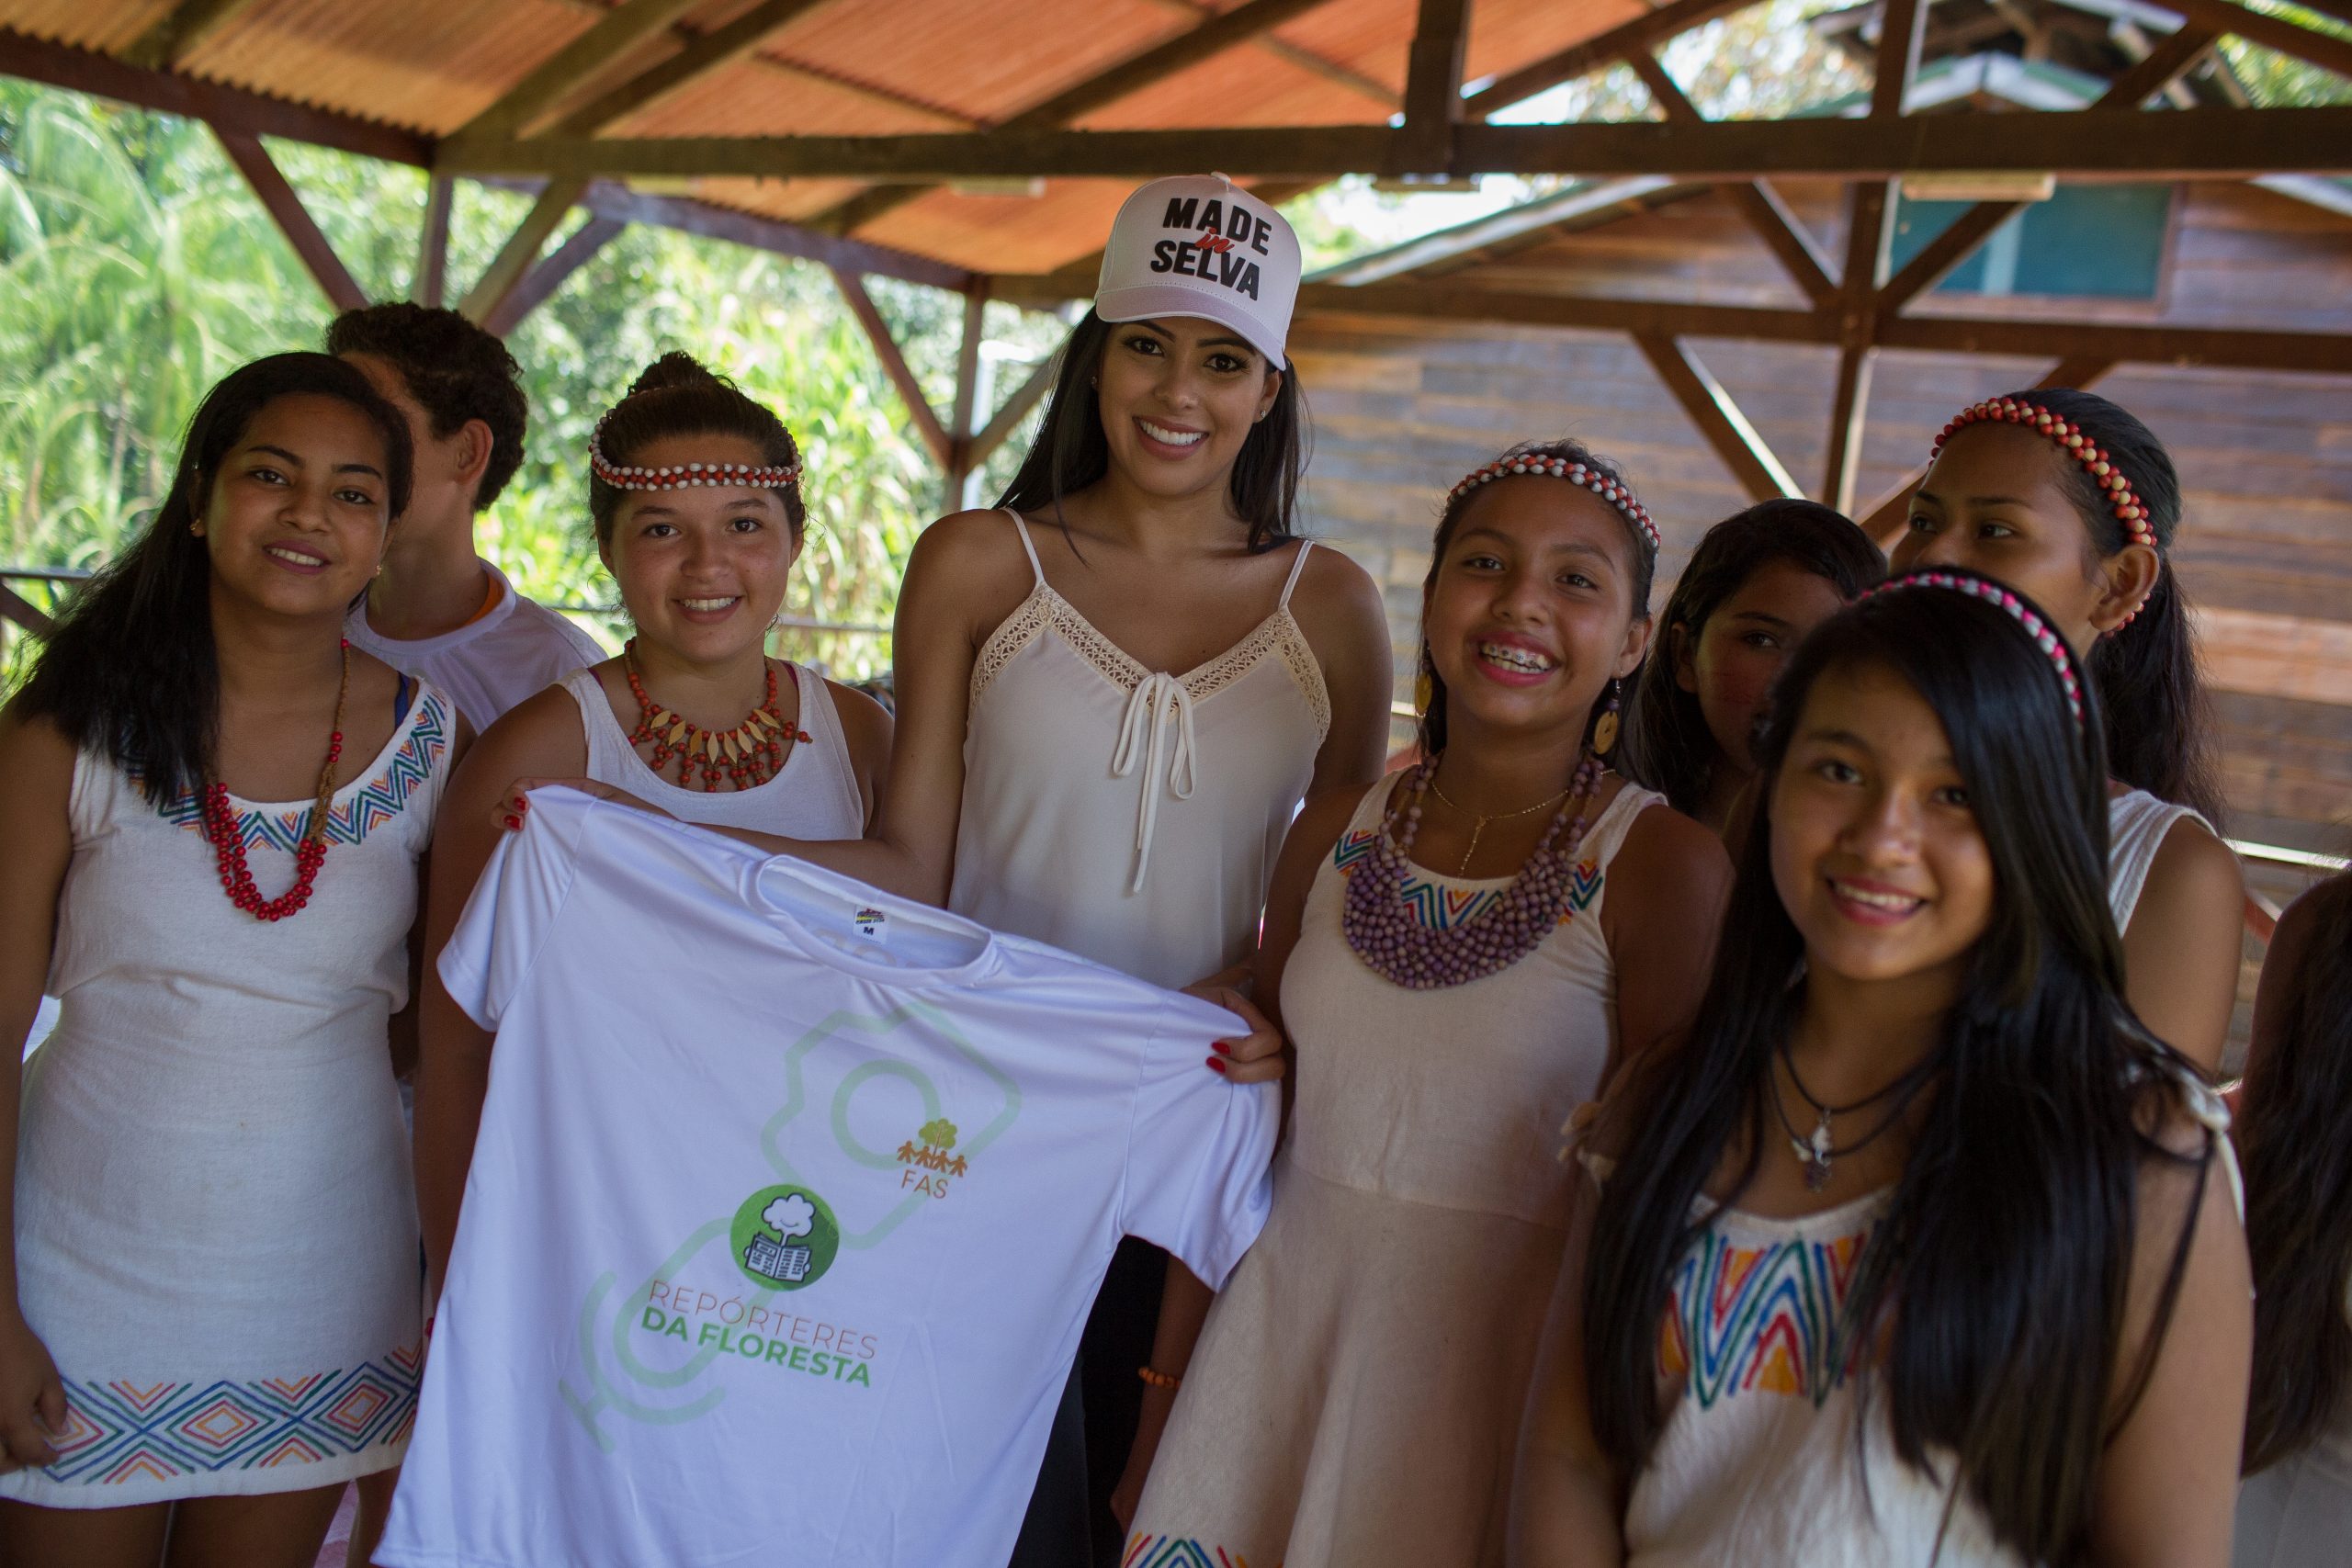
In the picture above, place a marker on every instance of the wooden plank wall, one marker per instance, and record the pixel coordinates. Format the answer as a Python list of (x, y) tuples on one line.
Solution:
[(1402, 409)]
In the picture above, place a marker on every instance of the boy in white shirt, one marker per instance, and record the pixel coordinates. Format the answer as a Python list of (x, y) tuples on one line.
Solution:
[(439, 611)]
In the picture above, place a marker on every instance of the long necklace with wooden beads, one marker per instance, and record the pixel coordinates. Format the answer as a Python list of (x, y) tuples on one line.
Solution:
[(224, 828), (1478, 823), (1378, 915), (747, 756)]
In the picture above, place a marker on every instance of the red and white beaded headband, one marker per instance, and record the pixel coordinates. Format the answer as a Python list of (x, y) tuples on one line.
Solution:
[(1615, 492), (683, 476), (2104, 471), (2045, 637)]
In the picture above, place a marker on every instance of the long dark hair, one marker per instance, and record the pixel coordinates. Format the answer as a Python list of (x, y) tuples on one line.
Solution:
[(130, 669), (1668, 746), (2295, 1137), (1432, 722), (2157, 724), (678, 395), (2009, 1234), (1071, 451)]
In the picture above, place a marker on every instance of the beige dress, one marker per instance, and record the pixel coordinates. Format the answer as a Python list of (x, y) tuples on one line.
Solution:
[(1356, 1393)]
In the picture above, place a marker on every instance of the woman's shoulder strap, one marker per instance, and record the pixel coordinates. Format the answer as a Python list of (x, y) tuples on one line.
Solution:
[(1297, 565), (1028, 547)]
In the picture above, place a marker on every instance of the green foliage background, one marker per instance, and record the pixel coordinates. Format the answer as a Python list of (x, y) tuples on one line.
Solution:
[(137, 269)]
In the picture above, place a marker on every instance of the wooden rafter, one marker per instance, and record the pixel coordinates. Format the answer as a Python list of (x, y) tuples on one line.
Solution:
[(228, 108), (967, 387), (1883, 522), (2192, 144), (1370, 88), (2163, 66), (719, 47), (1638, 36), (894, 364), (1718, 417), (1161, 60), (1433, 84), (1015, 408), (1756, 203), (550, 275), (285, 207), (16, 608), (614, 34), (2329, 50), (507, 269), (177, 33), (433, 249)]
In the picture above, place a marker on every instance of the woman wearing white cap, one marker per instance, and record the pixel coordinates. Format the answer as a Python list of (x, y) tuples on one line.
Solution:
[(1115, 692)]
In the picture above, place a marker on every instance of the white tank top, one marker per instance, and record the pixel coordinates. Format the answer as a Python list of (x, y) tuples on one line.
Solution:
[(2136, 825), (1128, 814), (813, 795)]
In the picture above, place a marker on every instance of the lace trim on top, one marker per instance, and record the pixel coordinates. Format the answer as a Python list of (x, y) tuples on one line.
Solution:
[(1044, 609)]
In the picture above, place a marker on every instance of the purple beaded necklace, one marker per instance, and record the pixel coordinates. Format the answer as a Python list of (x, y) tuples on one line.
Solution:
[(1378, 919)]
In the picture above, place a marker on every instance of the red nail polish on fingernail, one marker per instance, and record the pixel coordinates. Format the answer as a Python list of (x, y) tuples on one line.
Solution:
[(1215, 1066), (1222, 1047), (513, 824)]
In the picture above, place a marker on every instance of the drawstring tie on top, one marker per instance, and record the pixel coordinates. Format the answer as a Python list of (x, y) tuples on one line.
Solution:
[(1142, 743)]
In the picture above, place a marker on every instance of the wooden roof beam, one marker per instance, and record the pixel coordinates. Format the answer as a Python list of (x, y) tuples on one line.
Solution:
[(1718, 417), (228, 108), (2172, 56), (614, 34), (2329, 50), (1757, 204), (928, 428), (543, 280), (1639, 36), (507, 269), (1433, 86), (1163, 59), (2124, 144), (293, 219), (1307, 59), (719, 47), (180, 31)]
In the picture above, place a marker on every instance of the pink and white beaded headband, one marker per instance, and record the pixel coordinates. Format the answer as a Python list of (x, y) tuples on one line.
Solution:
[(1615, 492), (683, 476), (2045, 638), (2113, 487)]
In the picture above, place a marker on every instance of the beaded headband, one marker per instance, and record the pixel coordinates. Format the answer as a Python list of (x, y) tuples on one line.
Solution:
[(1613, 491), (2053, 647), (683, 476)]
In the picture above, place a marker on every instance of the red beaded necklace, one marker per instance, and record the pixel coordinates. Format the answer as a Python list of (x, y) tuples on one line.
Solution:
[(748, 755), (221, 824)]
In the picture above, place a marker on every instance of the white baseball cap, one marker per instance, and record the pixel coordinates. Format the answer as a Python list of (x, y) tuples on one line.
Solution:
[(1199, 245)]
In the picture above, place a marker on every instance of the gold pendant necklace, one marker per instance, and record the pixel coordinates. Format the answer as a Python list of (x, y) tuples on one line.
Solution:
[(1478, 823)]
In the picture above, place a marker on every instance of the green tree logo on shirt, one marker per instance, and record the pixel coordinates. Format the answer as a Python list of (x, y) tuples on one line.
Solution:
[(784, 1238)]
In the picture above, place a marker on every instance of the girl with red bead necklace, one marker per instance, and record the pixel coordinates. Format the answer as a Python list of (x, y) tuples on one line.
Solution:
[(1461, 955), (2073, 502), (213, 1325), (695, 492)]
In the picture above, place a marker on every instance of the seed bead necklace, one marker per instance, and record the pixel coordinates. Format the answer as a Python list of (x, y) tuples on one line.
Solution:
[(1378, 916), (747, 756), (221, 824), (1815, 1152), (1478, 823)]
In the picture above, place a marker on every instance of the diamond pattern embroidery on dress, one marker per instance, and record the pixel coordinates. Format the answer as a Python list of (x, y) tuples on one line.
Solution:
[(1768, 1320), (354, 815), (1437, 907), (125, 1430), (1179, 1551)]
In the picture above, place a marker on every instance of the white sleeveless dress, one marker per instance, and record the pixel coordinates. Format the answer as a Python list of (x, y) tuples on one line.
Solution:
[(1125, 815), (215, 1228), (1354, 1400), (2136, 825), (813, 795)]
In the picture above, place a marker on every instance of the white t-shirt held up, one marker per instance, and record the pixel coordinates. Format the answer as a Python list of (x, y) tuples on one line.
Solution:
[(790, 1201)]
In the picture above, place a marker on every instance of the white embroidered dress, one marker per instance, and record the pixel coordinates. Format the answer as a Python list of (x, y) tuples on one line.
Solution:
[(215, 1228)]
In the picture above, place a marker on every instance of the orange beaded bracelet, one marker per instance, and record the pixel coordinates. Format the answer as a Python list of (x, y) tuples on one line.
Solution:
[(1158, 1378)]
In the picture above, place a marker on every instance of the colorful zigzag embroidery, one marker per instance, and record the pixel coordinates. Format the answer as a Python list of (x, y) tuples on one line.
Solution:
[(1770, 1319), (375, 803), (128, 1431), (1179, 1551), (1438, 906)]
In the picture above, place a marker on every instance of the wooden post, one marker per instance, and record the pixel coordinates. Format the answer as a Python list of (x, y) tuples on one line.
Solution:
[(1433, 86), (433, 251), (293, 219), (894, 364), (960, 463)]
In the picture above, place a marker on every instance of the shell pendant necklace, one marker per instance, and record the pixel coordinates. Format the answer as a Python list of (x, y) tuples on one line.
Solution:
[(1816, 1152)]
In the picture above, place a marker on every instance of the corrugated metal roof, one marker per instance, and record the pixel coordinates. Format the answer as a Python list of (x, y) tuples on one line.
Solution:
[(844, 67)]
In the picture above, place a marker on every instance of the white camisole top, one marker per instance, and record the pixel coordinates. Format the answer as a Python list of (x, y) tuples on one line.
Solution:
[(1127, 815), (2136, 825), (813, 795)]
